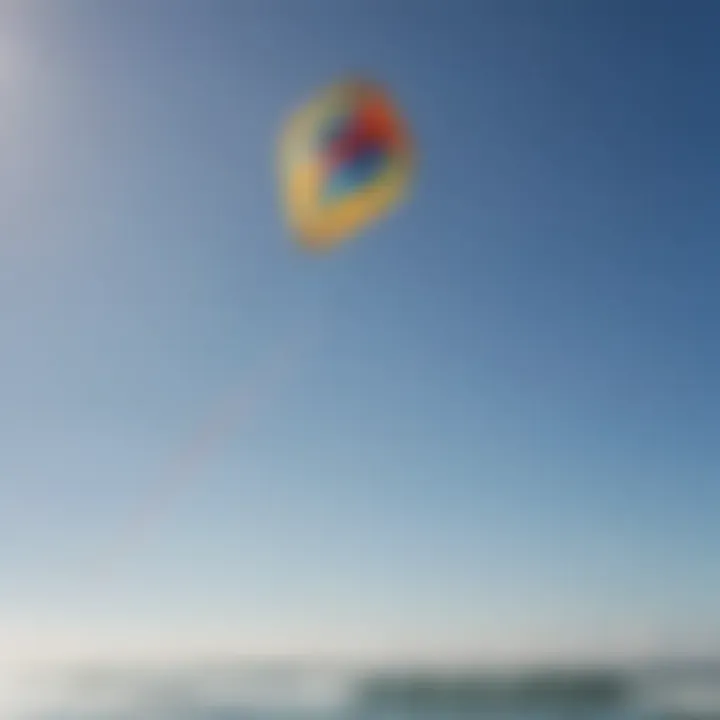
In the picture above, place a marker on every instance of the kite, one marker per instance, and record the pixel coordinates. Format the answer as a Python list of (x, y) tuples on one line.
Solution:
[(345, 160)]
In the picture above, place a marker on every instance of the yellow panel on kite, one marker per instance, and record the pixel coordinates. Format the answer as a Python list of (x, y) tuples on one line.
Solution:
[(346, 159)]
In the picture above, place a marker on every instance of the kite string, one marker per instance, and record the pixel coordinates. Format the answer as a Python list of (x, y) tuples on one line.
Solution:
[(185, 465)]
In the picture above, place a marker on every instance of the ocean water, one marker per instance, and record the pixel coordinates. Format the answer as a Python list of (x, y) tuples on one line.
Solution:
[(231, 692)]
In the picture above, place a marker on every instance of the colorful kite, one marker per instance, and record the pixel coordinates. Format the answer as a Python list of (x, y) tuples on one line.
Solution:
[(346, 159)]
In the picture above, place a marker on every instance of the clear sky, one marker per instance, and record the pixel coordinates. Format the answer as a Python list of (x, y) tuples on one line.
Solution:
[(489, 425)]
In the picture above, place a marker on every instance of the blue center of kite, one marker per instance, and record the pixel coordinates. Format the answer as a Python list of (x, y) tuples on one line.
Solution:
[(356, 172)]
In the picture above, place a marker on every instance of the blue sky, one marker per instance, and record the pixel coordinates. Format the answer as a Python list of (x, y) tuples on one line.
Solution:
[(488, 425)]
